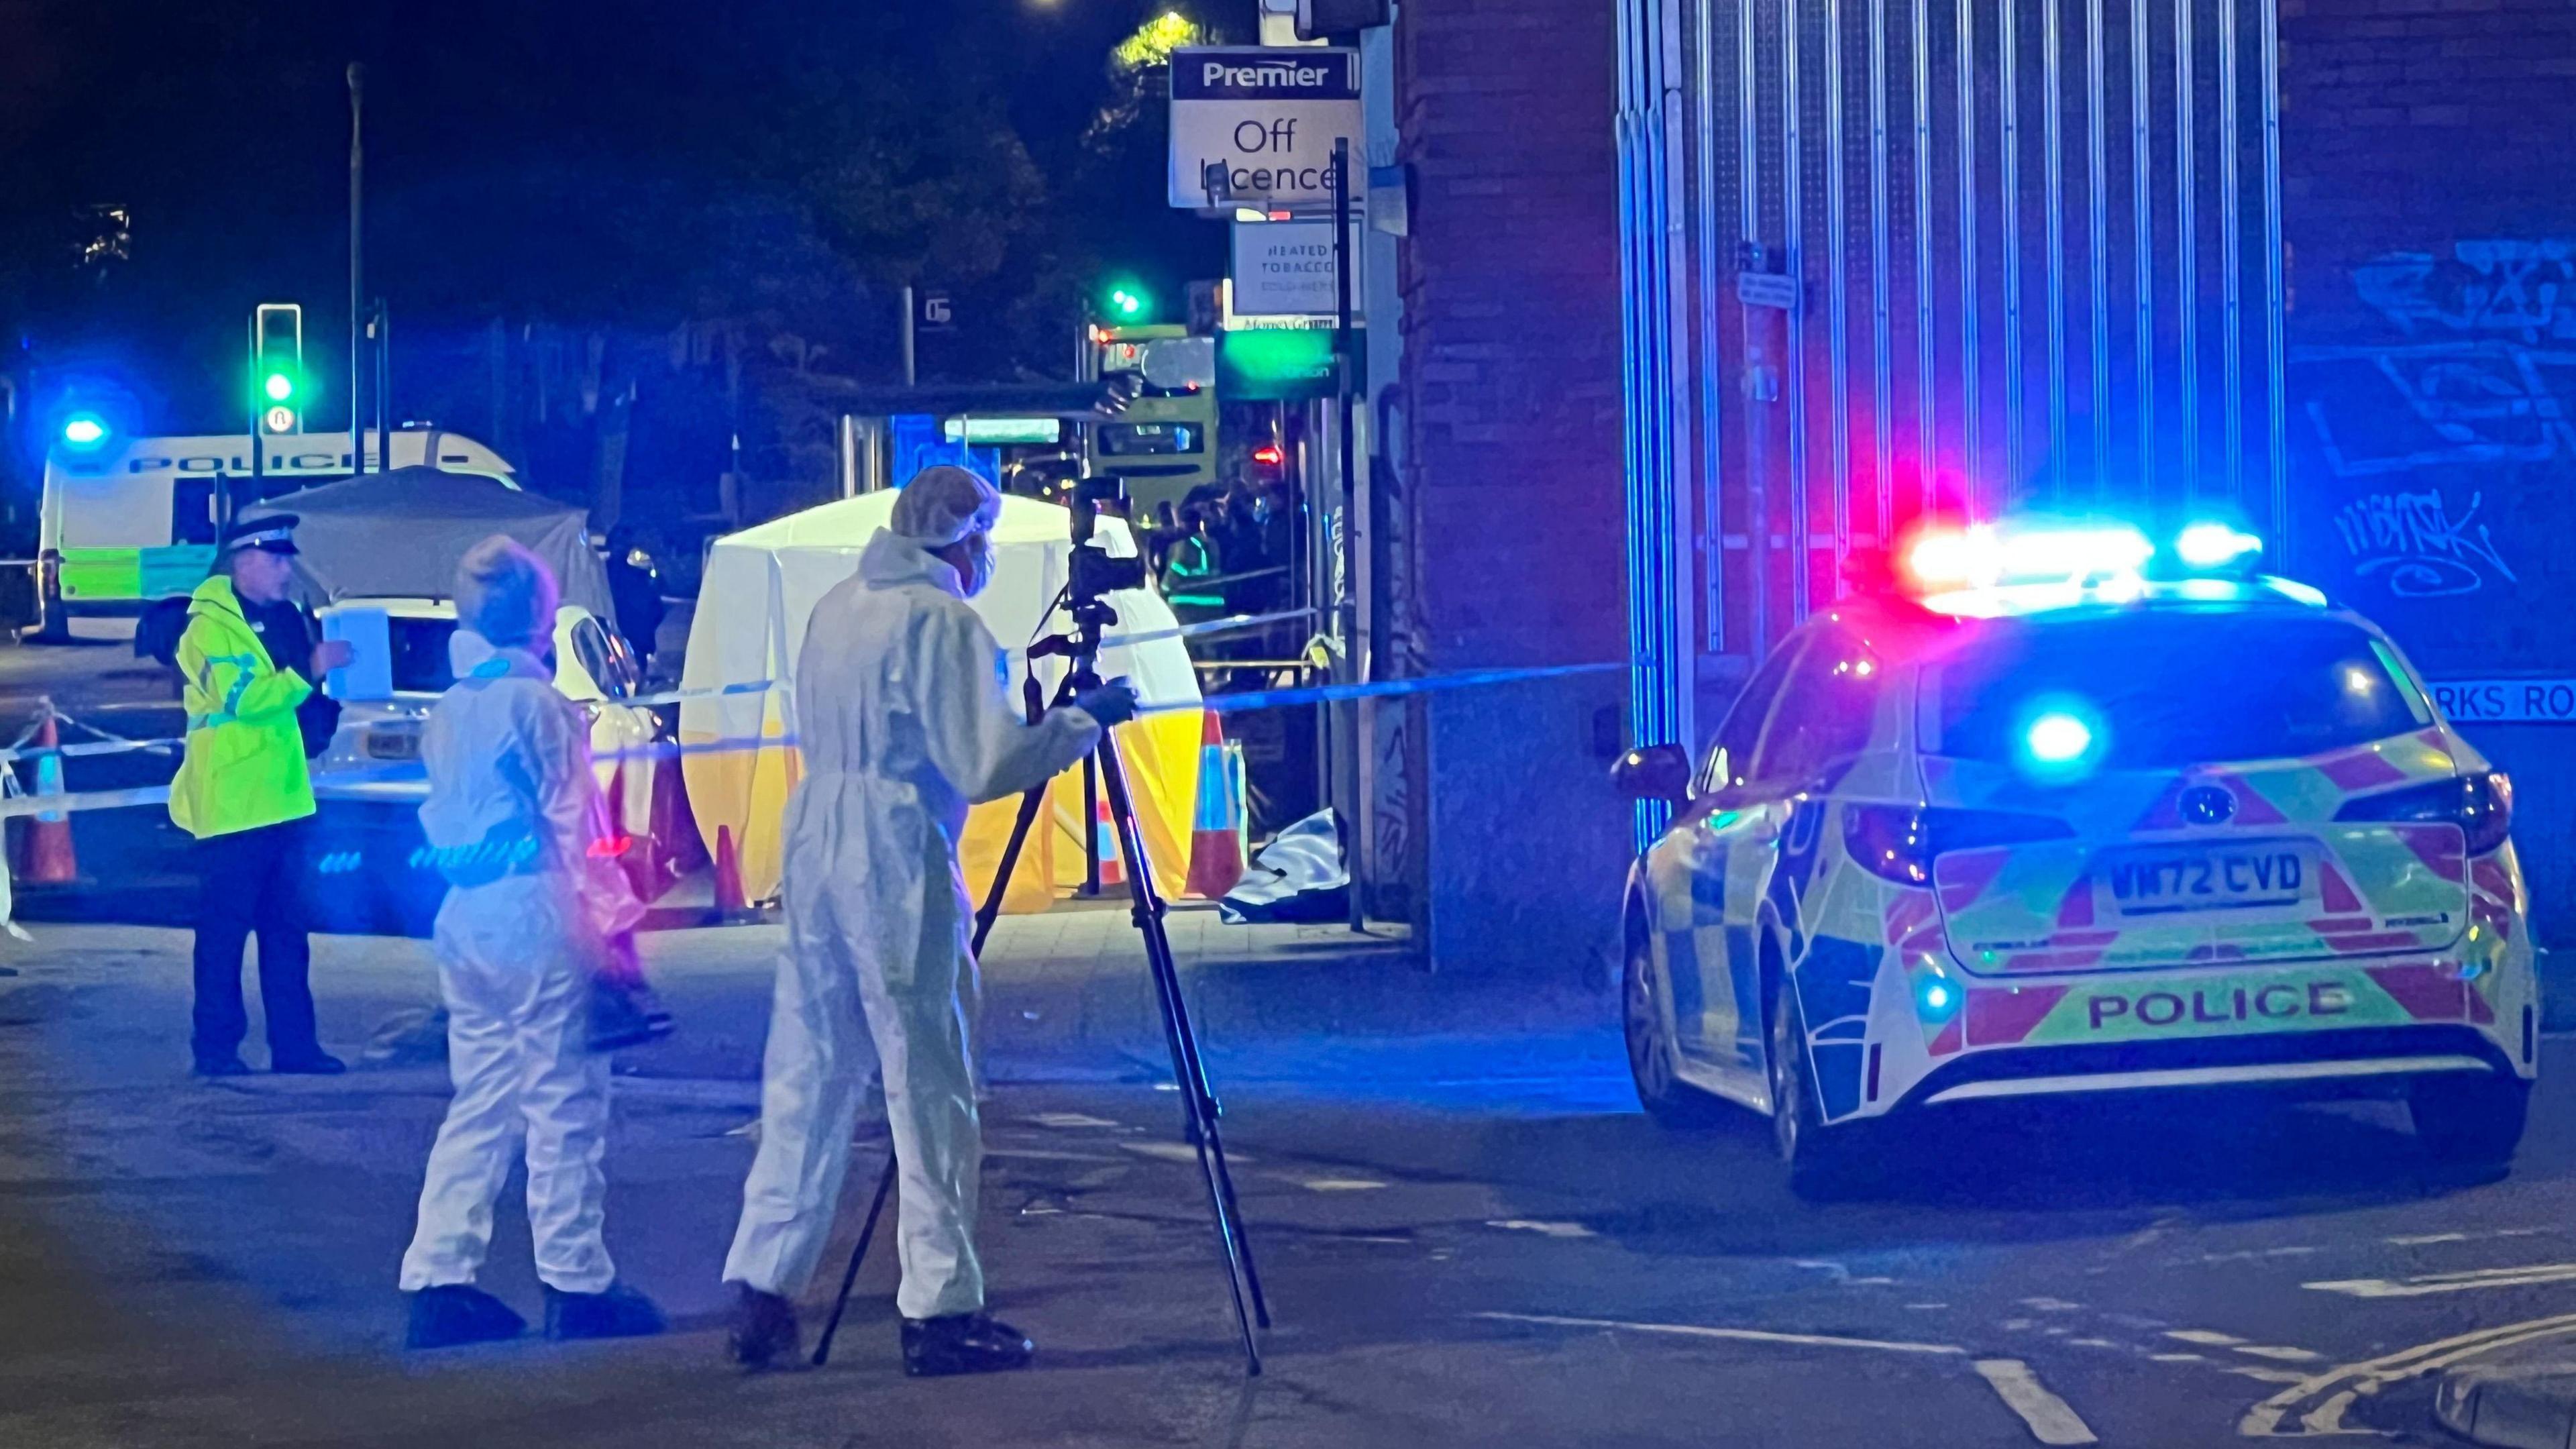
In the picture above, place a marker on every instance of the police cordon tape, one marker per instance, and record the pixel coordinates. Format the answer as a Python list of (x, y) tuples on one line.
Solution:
[(1240, 703)]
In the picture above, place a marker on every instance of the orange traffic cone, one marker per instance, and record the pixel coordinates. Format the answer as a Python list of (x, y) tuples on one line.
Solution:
[(1113, 872), (1216, 832), (729, 898), (47, 858)]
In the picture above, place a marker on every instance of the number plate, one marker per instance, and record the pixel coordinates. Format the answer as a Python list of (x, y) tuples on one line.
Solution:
[(392, 745), (2207, 878)]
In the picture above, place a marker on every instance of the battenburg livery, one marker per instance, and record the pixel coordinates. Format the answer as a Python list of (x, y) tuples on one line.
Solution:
[(2074, 813)]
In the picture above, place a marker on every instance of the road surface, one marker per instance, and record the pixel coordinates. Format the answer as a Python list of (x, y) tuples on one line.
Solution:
[(1470, 1236)]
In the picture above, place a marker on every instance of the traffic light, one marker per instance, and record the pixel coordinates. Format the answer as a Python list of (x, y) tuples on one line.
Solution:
[(277, 367), (1124, 300)]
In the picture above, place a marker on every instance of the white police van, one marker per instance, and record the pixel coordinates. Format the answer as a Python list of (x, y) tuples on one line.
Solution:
[(130, 520)]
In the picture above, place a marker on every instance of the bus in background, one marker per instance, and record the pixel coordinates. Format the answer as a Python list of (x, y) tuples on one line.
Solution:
[(1164, 442), (127, 521)]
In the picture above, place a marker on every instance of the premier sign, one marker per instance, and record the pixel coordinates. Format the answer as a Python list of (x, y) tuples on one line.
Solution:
[(1265, 120)]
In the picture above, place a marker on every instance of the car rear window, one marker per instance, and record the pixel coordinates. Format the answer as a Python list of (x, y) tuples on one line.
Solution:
[(2165, 690), (420, 655)]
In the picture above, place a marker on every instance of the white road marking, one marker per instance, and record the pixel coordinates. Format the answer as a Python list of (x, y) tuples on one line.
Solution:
[(2051, 1305), (2419, 1240), (1927, 1307), (1178, 1152), (2269, 1376), (1340, 1184), (1551, 1230), (2051, 1419), (2277, 1353), (2090, 1343), (2428, 1283), (1070, 1121), (2203, 1336), (1739, 1335), (2179, 1357), (2321, 1398)]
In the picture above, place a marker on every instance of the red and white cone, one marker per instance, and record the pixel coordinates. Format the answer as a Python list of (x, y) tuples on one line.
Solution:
[(1113, 871), (1216, 828), (729, 897), (46, 847)]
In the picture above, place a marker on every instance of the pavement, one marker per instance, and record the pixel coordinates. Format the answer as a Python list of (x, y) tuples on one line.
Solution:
[(1468, 1234)]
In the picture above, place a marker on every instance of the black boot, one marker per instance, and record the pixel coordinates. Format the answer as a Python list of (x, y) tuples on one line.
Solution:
[(963, 1343), (616, 1311), (764, 1330), (460, 1313)]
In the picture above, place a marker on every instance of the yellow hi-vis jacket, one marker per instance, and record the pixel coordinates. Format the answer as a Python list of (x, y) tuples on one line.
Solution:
[(245, 762)]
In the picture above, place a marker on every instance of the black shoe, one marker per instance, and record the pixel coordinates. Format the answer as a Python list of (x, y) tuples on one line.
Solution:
[(319, 1064), (454, 1314), (963, 1343), (764, 1330), (232, 1066), (615, 1312)]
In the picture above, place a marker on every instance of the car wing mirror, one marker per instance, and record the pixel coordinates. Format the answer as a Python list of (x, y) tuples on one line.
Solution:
[(1653, 772)]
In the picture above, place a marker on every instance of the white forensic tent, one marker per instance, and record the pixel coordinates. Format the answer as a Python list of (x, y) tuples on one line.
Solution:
[(759, 589)]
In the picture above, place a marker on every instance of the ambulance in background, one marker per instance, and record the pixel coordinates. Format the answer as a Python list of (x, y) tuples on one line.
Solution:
[(127, 521)]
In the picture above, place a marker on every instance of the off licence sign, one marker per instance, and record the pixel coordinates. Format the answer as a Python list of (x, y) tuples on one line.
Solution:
[(1269, 117)]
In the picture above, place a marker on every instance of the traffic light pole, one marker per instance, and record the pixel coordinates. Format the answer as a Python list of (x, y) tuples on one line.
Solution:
[(357, 268)]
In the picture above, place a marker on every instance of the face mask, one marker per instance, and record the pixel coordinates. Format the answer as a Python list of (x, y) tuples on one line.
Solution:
[(980, 562)]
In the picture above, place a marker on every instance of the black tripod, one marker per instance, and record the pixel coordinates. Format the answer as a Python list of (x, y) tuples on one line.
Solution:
[(1200, 1109)]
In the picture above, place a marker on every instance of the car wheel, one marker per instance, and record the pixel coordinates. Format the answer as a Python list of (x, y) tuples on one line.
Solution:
[(1823, 1162), (1668, 1099), (2471, 1121)]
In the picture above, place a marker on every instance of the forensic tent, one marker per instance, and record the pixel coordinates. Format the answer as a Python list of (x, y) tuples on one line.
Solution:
[(401, 534), (760, 587)]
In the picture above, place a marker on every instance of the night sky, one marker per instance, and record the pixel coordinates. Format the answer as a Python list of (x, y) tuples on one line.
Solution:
[(630, 165)]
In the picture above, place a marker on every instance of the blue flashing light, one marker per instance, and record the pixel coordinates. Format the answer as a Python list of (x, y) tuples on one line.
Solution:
[(1936, 997), (84, 431), (2058, 738), (2215, 546)]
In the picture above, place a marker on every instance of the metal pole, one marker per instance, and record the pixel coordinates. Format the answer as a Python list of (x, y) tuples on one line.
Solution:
[(910, 375), (2275, 298), (1347, 460), (2231, 232), (1712, 393), (1757, 426), (1965, 64), (1927, 337), (381, 327), (2097, 237), (357, 264), (2053, 42), (2187, 244), (2143, 219), (1838, 292), (1883, 370), (2008, 53), (1793, 322)]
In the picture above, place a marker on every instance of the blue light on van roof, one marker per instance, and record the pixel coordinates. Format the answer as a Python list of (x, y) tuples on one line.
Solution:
[(2215, 546), (84, 431), (2058, 738)]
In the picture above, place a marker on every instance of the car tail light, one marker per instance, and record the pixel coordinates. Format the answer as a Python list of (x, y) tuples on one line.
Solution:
[(2480, 804), (1899, 842)]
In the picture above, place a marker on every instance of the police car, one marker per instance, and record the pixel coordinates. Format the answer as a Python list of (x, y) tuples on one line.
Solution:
[(2071, 811)]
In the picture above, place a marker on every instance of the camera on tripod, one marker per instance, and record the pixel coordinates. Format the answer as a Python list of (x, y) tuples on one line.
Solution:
[(1095, 571)]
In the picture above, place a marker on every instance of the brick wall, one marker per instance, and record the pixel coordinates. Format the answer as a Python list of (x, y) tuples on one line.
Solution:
[(2429, 202), (1513, 409)]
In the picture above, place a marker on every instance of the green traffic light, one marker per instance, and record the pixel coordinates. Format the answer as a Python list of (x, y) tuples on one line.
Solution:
[(279, 387)]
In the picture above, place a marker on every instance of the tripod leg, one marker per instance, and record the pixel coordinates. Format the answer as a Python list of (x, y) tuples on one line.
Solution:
[(991, 910), (1242, 1280), (858, 1255)]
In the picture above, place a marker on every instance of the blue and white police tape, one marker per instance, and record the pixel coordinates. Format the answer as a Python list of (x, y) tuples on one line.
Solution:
[(330, 781)]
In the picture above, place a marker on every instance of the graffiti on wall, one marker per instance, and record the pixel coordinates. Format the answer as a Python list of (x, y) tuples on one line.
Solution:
[(2419, 547), (2436, 420), (2484, 352)]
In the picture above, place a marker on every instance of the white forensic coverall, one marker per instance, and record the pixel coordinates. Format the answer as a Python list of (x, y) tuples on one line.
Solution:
[(905, 720), (512, 814)]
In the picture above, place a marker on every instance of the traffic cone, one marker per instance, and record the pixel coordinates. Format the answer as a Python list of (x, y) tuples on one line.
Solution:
[(1113, 872), (729, 898), (47, 844), (1216, 832)]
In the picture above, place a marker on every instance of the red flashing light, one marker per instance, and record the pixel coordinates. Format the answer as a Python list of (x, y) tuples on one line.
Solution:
[(1269, 455)]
